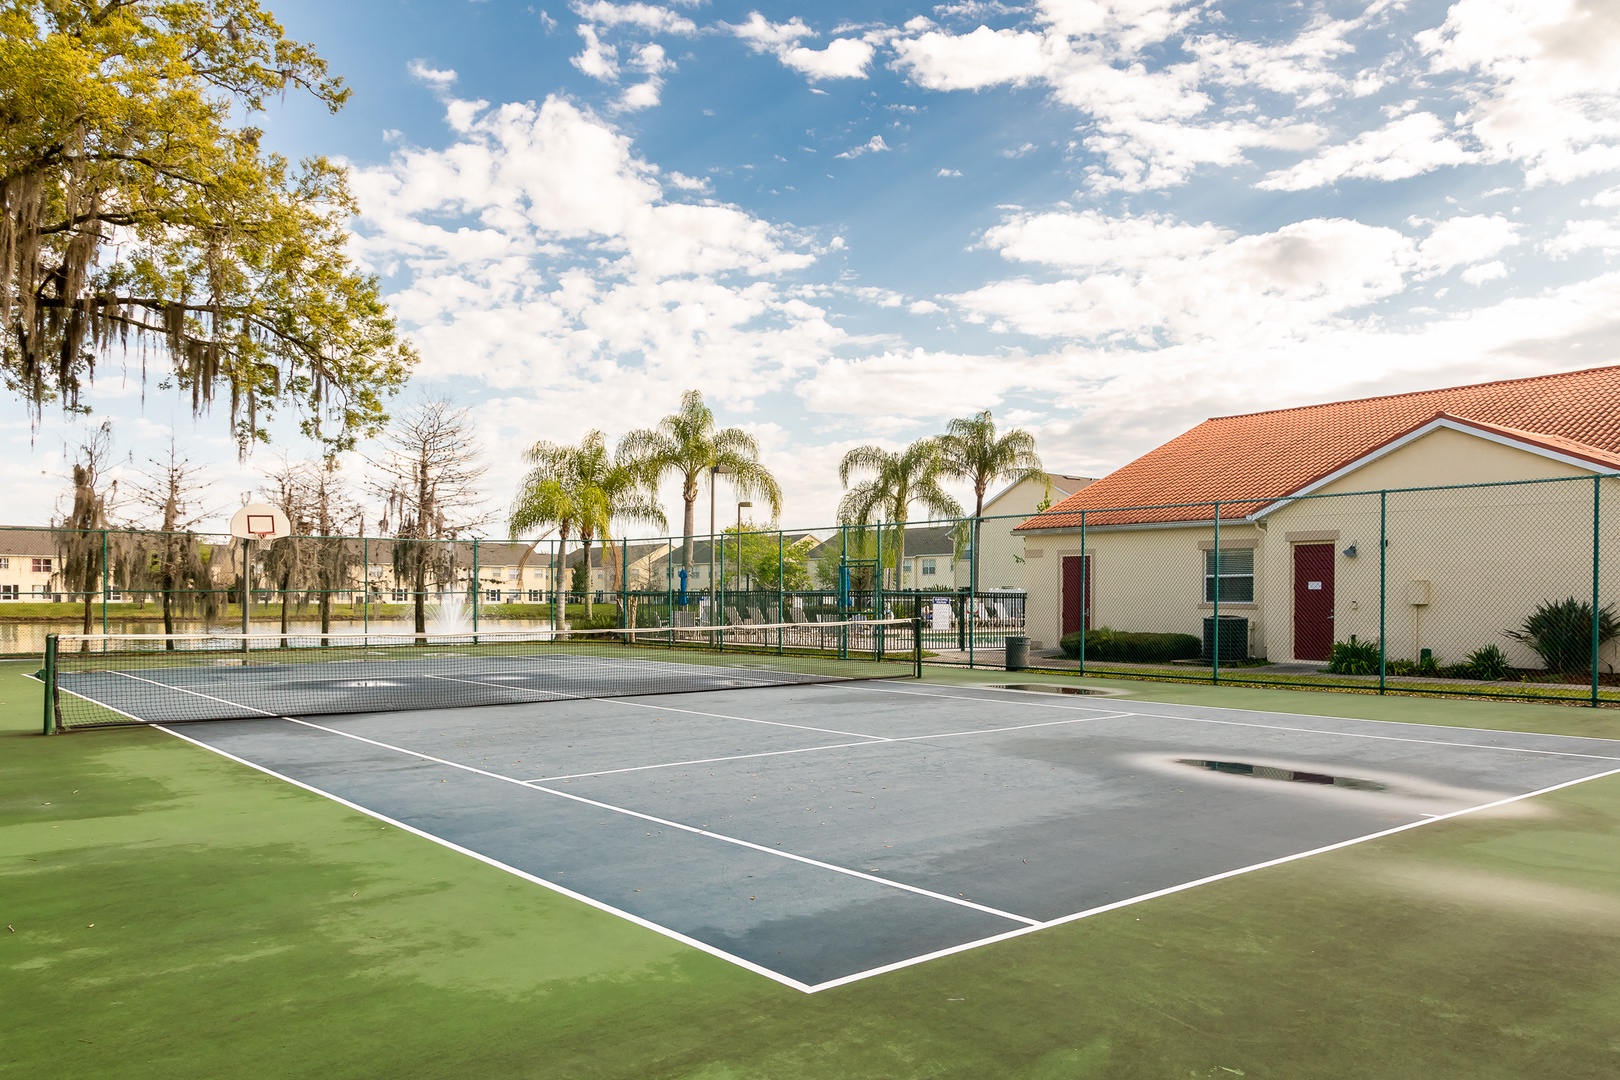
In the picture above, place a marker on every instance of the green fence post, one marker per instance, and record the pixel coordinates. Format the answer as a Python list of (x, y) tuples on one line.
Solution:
[(1215, 637), (624, 583), (478, 590), (781, 588), (104, 586), (973, 591), (1085, 591), (50, 684), (877, 572), (1383, 589), (1597, 492), (916, 634)]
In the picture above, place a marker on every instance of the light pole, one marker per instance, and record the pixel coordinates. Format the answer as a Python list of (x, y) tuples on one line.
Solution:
[(714, 471), (740, 507)]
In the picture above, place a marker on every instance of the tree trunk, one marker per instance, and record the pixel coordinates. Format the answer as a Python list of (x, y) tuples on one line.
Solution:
[(286, 583), (586, 558), (689, 496), (419, 594)]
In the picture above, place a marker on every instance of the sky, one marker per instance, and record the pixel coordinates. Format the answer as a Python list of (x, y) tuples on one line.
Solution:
[(848, 223)]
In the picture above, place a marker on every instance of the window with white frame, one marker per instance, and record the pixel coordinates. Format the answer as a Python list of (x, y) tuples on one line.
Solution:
[(1236, 576), (400, 596), (5, 562), (8, 592), (42, 566), (928, 568), (515, 574), (536, 596), (493, 595)]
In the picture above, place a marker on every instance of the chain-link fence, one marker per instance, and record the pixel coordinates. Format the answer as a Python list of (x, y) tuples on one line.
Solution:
[(1500, 589)]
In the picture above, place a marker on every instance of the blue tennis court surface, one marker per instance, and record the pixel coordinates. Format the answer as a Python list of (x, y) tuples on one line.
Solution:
[(819, 834)]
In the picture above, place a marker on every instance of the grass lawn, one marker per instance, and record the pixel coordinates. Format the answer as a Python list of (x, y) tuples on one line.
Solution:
[(170, 913)]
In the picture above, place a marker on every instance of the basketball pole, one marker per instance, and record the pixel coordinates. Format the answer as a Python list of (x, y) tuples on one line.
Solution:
[(247, 586)]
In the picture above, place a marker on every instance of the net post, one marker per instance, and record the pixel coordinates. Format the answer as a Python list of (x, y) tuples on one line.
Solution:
[(916, 634), (49, 675)]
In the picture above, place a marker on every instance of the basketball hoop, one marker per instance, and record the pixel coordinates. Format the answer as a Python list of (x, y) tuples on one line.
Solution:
[(260, 521)]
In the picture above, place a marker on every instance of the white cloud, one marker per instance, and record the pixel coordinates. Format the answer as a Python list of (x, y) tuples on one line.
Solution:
[(1414, 144), (942, 61), (874, 145), (1152, 279), (1491, 271), (1549, 96), (539, 252), (1461, 241), (1589, 235), (949, 172), (762, 35), (648, 17), (844, 58), (924, 307), (598, 60), (436, 78)]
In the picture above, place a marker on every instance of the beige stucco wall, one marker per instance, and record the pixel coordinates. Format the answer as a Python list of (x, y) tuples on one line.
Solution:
[(1489, 556), (1142, 579)]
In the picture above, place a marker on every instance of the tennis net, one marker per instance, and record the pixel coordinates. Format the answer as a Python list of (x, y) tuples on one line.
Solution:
[(96, 680)]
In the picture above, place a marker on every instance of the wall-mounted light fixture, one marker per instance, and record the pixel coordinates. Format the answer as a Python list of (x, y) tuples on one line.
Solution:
[(1350, 552)]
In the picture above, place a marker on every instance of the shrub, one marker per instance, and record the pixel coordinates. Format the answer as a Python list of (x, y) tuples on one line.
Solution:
[(1428, 665), (1400, 667), (1561, 633), (1488, 663), (1353, 658), (1120, 646)]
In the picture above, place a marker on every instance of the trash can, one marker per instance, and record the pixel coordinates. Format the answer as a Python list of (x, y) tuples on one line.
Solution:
[(1234, 638), (1017, 652)]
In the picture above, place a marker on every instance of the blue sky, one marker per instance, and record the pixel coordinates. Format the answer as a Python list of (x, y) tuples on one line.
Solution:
[(848, 223)]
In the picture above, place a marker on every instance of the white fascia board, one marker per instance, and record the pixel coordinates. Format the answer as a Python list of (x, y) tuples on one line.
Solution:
[(1418, 433)]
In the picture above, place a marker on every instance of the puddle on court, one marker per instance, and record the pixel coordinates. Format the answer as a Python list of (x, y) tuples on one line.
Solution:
[(1268, 772), (1050, 688)]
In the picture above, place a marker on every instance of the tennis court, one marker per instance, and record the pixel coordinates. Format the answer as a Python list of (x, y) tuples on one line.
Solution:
[(820, 832)]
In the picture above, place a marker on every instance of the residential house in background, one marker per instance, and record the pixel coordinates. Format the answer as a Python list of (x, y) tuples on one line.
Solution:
[(1299, 552), (30, 565)]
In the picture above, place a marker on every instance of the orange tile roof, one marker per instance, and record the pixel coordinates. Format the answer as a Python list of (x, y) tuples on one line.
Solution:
[(1263, 456)]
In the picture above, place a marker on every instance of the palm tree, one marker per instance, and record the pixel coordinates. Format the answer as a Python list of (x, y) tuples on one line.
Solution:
[(897, 481), (546, 496), (687, 443), (609, 489), (973, 453), (580, 489)]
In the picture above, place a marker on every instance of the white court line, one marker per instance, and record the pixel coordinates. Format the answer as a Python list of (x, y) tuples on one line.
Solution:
[(861, 975), (507, 867), (1281, 727), (747, 719), (792, 857), (704, 761), (540, 695), (988, 688), (811, 749), (1184, 886), (667, 823)]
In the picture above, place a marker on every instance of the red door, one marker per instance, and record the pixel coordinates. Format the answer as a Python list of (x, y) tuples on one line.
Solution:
[(1076, 593), (1313, 601)]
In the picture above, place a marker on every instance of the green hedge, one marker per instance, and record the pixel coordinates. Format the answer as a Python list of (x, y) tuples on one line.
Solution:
[(1103, 645)]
